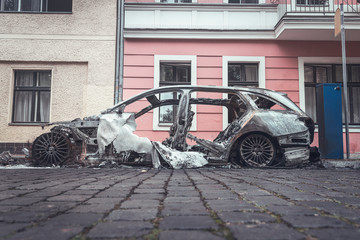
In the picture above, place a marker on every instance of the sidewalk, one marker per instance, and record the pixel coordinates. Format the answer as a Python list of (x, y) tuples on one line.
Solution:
[(353, 162), (179, 204)]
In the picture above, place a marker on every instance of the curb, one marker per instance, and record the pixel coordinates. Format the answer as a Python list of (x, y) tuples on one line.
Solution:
[(352, 164)]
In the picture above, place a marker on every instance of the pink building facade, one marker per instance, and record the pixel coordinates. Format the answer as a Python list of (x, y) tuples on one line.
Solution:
[(284, 47)]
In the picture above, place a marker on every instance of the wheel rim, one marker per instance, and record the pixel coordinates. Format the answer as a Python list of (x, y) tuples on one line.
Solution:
[(51, 149), (257, 150)]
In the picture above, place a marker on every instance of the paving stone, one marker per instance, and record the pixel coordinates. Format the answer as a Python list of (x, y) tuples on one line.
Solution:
[(104, 200), (45, 193), (92, 208), (52, 232), (253, 192), (303, 196), (6, 228), (140, 203), (23, 216), (246, 217), (69, 198), (181, 188), (313, 221), (231, 205), (268, 201), (132, 214), (355, 201), (188, 235), (147, 196), (174, 193), (292, 210), (272, 231), (20, 201), (75, 219), (120, 229), (187, 222), (220, 196), (149, 190), (81, 192), (113, 194), (7, 208), (48, 206), (336, 234), (179, 209), (182, 199)]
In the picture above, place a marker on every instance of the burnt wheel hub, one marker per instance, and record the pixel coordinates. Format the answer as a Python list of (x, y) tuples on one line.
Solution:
[(50, 149)]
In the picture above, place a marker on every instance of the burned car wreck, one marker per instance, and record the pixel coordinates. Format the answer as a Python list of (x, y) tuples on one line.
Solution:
[(266, 129)]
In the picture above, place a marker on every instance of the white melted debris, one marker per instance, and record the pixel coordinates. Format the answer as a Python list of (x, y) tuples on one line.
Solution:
[(118, 129), (178, 160)]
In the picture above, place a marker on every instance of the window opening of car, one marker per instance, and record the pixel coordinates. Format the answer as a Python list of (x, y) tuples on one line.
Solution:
[(146, 104), (263, 102)]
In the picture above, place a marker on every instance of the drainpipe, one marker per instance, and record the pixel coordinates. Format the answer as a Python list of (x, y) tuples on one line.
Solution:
[(119, 58)]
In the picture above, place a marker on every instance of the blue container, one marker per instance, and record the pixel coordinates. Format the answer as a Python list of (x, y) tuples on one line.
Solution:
[(329, 118)]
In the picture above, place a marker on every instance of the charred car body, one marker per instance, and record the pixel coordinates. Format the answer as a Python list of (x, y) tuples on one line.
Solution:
[(267, 129)]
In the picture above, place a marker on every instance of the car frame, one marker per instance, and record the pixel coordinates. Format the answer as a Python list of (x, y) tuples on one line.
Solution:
[(259, 136)]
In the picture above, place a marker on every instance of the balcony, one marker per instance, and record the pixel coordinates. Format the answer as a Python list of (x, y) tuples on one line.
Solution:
[(316, 7), (314, 19), (308, 20)]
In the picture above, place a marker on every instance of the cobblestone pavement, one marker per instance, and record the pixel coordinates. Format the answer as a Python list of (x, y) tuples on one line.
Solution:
[(179, 204)]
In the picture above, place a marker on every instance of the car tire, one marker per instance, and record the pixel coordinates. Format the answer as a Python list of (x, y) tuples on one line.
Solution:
[(51, 149), (256, 150)]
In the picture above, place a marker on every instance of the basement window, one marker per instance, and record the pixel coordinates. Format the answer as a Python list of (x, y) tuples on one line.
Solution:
[(36, 6)]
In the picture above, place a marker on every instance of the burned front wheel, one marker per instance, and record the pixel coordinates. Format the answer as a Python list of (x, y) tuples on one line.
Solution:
[(51, 149), (256, 150)]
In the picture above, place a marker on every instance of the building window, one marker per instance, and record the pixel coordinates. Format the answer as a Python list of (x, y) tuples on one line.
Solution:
[(31, 102), (320, 73), (172, 74), (242, 71), (243, 74), (311, 2), (36, 5), (244, 1), (176, 1), (173, 70)]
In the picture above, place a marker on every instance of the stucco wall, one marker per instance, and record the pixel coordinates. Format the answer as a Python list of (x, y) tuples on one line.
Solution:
[(79, 47)]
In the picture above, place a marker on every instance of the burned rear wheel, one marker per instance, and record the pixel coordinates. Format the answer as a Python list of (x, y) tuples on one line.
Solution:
[(256, 150), (51, 149)]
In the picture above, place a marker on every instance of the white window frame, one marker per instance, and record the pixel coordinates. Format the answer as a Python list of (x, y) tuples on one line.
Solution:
[(260, 60), (320, 60), (157, 126), (12, 92)]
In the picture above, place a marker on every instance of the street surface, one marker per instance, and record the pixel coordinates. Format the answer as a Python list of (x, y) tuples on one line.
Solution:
[(208, 203)]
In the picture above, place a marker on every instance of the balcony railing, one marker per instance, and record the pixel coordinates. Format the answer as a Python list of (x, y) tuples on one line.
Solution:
[(316, 7)]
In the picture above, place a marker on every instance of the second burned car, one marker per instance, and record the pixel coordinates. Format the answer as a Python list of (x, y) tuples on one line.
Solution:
[(266, 129)]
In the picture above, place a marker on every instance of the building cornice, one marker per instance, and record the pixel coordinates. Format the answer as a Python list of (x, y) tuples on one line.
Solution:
[(200, 6), (198, 34)]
